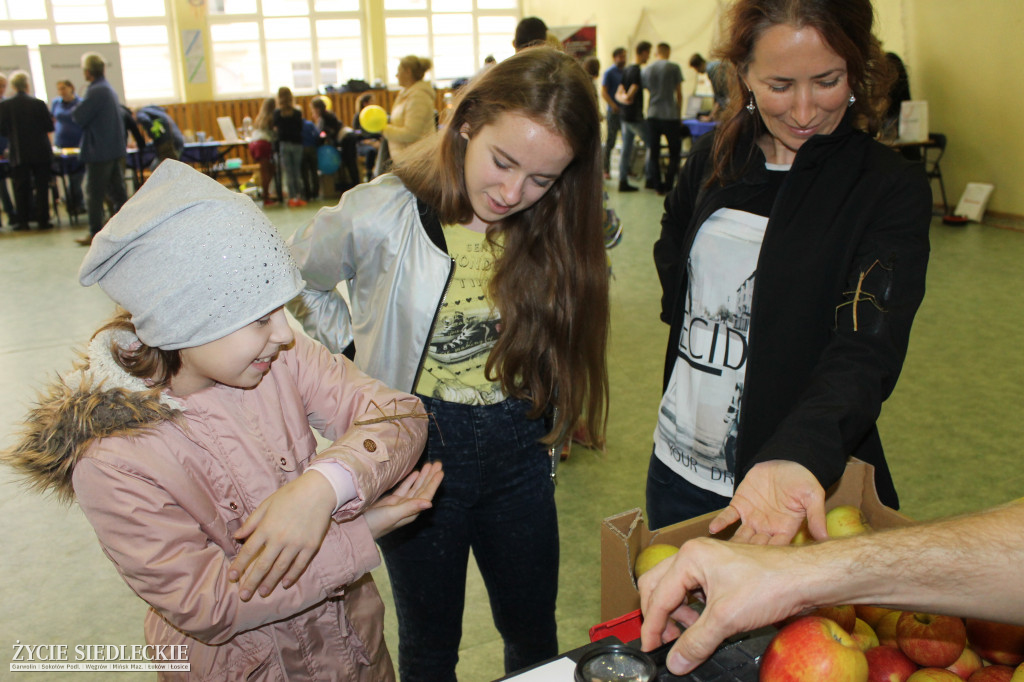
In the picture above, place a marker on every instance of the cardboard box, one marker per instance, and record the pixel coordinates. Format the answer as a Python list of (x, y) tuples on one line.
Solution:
[(625, 534)]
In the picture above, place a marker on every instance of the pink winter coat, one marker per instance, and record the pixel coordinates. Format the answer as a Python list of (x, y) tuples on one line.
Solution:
[(164, 498)]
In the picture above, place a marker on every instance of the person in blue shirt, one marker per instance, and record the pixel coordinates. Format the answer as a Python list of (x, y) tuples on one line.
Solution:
[(308, 169), (168, 142), (68, 135), (609, 84)]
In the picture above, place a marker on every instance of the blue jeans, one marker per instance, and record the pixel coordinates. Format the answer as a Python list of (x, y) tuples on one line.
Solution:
[(630, 130), (671, 498), (291, 160), (497, 498)]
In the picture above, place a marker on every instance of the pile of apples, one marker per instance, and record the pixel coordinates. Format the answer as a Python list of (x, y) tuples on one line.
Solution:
[(875, 644)]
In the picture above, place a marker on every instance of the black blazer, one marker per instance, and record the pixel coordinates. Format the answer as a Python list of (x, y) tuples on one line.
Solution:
[(25, 121)]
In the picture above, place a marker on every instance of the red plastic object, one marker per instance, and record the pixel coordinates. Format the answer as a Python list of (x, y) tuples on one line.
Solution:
[(626, 628)]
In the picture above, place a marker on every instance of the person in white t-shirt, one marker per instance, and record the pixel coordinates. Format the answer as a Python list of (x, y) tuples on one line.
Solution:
[(792, 259)]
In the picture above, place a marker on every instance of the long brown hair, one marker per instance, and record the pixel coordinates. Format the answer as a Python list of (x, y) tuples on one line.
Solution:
[(265, 118), (153, 364), (550, 281), (844, 25)]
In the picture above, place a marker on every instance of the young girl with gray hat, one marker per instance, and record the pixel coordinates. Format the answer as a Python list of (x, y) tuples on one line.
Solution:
[(184, 432)]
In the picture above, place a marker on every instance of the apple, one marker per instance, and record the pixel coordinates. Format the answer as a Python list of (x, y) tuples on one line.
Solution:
[(845, 520), (888, 664), (992, 673), (864, 635), (803, 535), (1018, 674), (968, 662), (886, 628), (844, 615), (933, 675), (996, 642), (871, 614), (650, 556), (813, 649), (931, 640)]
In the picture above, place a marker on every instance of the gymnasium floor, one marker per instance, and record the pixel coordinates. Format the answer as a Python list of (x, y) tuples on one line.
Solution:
[(953, 429)]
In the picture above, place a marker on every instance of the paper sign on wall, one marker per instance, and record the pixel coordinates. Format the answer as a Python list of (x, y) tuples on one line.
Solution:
[(913, 121), (195, 56)]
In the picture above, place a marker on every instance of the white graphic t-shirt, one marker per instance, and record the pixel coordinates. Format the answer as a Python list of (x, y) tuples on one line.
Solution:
[(700, 410)]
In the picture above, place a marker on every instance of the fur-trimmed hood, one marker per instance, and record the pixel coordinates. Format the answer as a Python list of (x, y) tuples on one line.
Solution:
[(95, 400)]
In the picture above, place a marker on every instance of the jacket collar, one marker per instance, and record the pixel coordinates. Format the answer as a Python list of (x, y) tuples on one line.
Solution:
[(810, 154)]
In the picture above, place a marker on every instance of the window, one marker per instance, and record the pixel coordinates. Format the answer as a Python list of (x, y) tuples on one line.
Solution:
[(140, 27), (455, 34), (303, 44)]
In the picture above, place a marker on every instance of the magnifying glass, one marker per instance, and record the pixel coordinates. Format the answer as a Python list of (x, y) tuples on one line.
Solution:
[(615, 663)]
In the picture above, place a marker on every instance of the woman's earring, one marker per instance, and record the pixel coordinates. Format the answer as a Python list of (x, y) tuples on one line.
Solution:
[(751, 107), (853, 98)]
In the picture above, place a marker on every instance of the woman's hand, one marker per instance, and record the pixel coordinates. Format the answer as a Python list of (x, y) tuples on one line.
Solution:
[(403, 505), (283, 535), (772, 502)]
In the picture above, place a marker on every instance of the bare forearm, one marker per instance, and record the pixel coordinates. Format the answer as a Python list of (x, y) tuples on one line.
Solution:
[(966, 566)]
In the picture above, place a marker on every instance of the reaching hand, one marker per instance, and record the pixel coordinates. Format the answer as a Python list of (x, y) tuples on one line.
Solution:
[(741, 585), (403, 505), (283, 535), (772, 502)]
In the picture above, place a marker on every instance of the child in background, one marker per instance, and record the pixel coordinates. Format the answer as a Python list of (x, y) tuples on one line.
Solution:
[(186, 431), (261, 148)]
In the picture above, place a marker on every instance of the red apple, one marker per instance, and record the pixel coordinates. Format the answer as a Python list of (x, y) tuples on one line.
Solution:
[(968, 662), (813, 649), (931, 640), (992, 673), (996, 642), (886, 628), (864, 635), (888, 664), (933, 675)]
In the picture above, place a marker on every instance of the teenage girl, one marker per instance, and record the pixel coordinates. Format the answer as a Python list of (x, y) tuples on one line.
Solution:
[(185, 431), (478, 280), (261, 147)]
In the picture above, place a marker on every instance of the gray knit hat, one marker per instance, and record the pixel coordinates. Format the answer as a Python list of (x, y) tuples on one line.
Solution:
[(191, 260)]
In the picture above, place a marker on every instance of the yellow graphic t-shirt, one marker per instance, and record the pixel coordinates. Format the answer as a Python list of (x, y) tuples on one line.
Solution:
[(466, 327)]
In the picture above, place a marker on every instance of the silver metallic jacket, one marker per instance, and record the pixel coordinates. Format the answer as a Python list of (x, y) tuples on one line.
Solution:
[(375, 241), (390, 252)]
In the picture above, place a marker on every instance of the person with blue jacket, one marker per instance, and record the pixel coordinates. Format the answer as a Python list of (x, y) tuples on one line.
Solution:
[(103, 148), (68, 135), (168, 142)]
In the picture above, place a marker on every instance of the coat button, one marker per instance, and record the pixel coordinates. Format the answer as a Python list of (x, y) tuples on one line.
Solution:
[(284, 461), (234, 507), (369, 445)]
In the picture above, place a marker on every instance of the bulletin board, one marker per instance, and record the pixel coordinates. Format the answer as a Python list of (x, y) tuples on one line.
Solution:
[(64, 62)]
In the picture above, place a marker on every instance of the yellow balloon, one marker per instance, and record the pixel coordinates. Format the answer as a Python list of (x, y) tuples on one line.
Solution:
[(373, 118), (327, 102)]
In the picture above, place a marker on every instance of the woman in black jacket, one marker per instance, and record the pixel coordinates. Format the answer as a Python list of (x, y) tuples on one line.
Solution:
[(792, 260)]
